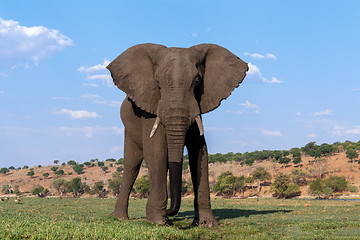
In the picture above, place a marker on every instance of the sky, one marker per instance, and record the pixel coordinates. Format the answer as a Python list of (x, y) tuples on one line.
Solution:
[(58, 102)]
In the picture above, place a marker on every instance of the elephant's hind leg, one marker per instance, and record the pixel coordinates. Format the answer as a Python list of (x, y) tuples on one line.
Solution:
[(132, 161)]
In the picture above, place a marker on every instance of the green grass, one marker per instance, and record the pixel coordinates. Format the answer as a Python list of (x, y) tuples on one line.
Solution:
[(88, 218)]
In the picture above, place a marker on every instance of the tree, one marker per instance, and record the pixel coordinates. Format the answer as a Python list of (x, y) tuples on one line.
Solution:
[(78, 168), (142, 186), (114, 183), (17, 190), (59, 172), (6, 189), (283, 188), (119, 169), (40, 191), (56, 161), (297, 161), (39, 166), (76, 187), (46, 175), (12, 168), (54, 168), (228, 184), (61, 186), (30, 173), (110, 160), (284, 161), (71, 162), (26, 167), (98, 186), (299, 176), (4, 171), (104, 168), (101, 164), (324, 188), (260, 174), (352, 154)]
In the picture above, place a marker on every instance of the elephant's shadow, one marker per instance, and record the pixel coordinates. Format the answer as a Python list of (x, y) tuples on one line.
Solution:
[(229, 213)]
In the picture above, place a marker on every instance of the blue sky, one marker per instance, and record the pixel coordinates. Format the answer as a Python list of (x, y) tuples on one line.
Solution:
[(57, 100)]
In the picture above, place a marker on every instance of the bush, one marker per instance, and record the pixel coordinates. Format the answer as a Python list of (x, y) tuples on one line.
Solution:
[(114, 183), (77, 187), (54, 168), (354, 189), (30, 173), (104, 168), (101, 164), (39, 191), (299, 176), (142, 186), (59, 172), (61, 186), (6, 189), (324, 188), (71, 162), (119, 169), (46, 174), (283, 188), (228, 184), (78, 168)]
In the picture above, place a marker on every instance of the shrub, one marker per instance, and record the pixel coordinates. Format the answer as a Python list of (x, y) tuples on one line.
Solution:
[(30, 173), (104, 168), (114, 183), (337, 183), (324, 188), (71, 162), (40, 191), (142, 186), (54, 168), (299, 176), (26, 167), (78, 168), (283, 188), (77, 187), (12, 168), (17, 190), (4, 170), (61, 185), (46, 174), (228, 184), (101, 164), (119, 169), (6, 189), (354, 189), (59, 172)]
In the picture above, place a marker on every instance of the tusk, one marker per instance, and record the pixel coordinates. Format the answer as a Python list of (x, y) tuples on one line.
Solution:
[(200, 125), (156, 125)]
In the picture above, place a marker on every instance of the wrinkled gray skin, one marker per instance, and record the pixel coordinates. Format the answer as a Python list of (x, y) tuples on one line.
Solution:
[(167, 91)]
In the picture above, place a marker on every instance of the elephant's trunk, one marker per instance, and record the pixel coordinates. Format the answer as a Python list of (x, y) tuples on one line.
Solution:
[(176, 128)]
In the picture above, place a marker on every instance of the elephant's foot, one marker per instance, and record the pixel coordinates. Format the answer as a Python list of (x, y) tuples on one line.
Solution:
[(120, 215), (205, 220), (162, 220)]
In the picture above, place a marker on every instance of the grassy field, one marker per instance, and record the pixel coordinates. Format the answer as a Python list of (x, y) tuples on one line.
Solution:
[(89, 218)]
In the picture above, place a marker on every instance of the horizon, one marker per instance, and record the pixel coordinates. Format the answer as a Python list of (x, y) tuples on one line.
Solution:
[(58, 101)]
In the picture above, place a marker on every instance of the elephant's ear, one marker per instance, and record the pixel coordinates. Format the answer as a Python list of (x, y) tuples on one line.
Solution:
[(223, 72), (133, 73)]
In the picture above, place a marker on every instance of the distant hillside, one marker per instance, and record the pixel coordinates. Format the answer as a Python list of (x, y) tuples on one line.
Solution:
[(336, 163)]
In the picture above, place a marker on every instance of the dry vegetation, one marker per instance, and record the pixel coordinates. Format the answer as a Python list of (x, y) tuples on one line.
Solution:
[(337, 164)]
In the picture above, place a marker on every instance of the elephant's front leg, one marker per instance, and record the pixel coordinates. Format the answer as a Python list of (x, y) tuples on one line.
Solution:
[(198, 159), (155, 155)]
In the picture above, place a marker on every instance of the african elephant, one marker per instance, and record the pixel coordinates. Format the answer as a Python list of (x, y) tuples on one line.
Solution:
[(167, 91)]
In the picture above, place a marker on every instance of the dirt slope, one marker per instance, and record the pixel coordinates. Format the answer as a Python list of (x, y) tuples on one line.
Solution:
[(335, 165)]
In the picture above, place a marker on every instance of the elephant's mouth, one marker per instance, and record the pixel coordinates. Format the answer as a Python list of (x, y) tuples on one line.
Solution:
[(197, 119)]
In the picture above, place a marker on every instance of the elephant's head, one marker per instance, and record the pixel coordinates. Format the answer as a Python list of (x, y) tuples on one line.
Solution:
[(177, 85)]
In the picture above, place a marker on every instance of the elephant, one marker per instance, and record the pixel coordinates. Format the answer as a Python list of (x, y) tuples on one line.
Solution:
[(167, 90)]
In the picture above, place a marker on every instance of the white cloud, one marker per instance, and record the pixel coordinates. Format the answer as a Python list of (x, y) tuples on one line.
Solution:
[(194, 34), (21, 44), (63, 98), (255, 71), (327, 112), (298, 114), (261, 56), (343, 130), (273, 80), (90, 85), (97, 72), (78, 114), (312, 135), (96, 99), (267, 132), (249, 105), (88, 132), (96, 68)]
